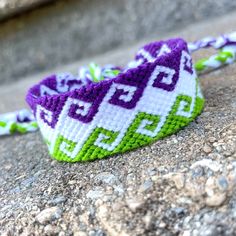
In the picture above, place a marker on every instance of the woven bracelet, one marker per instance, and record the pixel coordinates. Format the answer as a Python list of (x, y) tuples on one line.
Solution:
[(110, 110)]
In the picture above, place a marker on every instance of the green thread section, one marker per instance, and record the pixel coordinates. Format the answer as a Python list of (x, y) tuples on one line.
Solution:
[(223, 56), (95, 72), (132, 139), (3, 124), (175, 122), (34, 124), (90, 151), (205, 63), (21, 129), (13, 128), (98, 74), (67, 145), (111, 73), (200, 65)]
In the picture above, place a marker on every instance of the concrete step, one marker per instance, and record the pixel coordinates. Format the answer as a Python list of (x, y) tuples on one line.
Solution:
[(68, 30)]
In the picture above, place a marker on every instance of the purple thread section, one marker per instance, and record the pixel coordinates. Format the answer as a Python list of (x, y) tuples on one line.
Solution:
[(137, 80), (54, 104), (170, 61), (93, 95), (152, 48), (158, 82), (188, 68)]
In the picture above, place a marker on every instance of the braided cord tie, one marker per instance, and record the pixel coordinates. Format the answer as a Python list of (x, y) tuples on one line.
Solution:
[(226, 44), (109, 110), (21, 121), (226, 55)]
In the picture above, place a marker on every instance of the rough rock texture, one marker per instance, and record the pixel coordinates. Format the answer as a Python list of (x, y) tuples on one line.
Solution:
[(68, 30), (181, 185)]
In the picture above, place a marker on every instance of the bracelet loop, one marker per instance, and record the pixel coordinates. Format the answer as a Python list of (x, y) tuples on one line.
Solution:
[(83, 119)]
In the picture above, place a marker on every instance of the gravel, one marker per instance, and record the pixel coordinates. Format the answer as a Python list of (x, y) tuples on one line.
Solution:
[(181, 185)]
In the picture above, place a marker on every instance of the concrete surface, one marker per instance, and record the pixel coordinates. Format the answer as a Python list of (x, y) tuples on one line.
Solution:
[(68, 30), (162, 189)]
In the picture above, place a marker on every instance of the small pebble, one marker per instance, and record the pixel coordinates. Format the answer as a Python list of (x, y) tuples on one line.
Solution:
[(212, 139), (216, 199), (213, 165), (50, 230), (102, 212), (107, 178), (147, 185), (48, 215), (147, 220), (207, 149), (222, 183), (151, 171), (186, 233), (197, 172), (162, 225), (28, 182), (79, 233), (135, 204), (119, 190), (95, 194), (8, 167), (179, 180), (58, 200), (179, 210)]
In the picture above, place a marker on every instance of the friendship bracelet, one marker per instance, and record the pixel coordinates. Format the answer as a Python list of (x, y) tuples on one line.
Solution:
[(82, 119), (110, 110)]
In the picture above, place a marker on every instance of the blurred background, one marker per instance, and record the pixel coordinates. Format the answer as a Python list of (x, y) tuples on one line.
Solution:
[(39, 35)]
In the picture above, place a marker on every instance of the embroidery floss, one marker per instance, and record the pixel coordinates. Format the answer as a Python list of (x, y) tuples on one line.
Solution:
[(106, 116)]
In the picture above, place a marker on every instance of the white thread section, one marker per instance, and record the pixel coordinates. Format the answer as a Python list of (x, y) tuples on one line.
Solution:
[(163, 51), (146, 55)]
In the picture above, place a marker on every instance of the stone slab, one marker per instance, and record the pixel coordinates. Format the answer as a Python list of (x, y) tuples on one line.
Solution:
[(66, 31)]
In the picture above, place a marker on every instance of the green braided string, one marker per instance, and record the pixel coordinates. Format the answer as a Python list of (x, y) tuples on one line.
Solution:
[(220, 59), (14, 127)]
